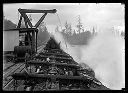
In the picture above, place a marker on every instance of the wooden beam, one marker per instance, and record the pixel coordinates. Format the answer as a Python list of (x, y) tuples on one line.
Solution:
[(41, 19), (27, 19), (24, 11), (36, 11), (19, 23)]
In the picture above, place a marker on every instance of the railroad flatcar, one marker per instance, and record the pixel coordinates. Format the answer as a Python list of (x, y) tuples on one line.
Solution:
[(54, 69)]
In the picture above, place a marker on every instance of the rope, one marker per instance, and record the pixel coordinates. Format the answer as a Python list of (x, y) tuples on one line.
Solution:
[(59, 20)]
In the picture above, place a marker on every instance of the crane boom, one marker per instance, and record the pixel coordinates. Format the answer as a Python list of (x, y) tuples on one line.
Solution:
[(27, 20), (36, 11)]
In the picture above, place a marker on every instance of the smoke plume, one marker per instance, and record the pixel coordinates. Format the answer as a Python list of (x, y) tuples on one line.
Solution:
[(104, 54)]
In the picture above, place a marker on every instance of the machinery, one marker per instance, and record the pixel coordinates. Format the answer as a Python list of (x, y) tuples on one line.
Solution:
[(52, 68), (29, 32)]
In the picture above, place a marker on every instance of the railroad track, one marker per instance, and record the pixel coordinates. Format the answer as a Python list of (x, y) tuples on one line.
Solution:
[(7, 68), (40, 47), (7, 76), (14, 68)]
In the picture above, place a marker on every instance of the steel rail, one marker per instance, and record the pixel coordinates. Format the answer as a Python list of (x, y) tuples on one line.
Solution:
[(9, 74), (13, 71), (9, 67), (11, 81)]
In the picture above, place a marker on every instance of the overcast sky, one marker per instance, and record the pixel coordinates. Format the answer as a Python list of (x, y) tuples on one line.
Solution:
[(101, 15)]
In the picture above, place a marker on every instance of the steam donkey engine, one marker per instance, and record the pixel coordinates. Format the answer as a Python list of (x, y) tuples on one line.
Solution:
[(28, 33)]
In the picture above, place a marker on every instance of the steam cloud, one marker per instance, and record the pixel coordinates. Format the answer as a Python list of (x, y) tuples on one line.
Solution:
[(104, 54)]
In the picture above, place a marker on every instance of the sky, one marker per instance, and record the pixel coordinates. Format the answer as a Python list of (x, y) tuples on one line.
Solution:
[(100, 16)]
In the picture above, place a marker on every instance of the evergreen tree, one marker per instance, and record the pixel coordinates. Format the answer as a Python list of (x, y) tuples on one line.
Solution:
[(68, 28), (79, 25), (66, 25)]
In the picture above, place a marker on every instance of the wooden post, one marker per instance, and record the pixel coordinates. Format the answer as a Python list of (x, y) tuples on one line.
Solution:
[(36, 40), (15, 85), (33, 41)]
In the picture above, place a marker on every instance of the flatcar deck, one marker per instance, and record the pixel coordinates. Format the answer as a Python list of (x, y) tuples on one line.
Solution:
[(53, 69)]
